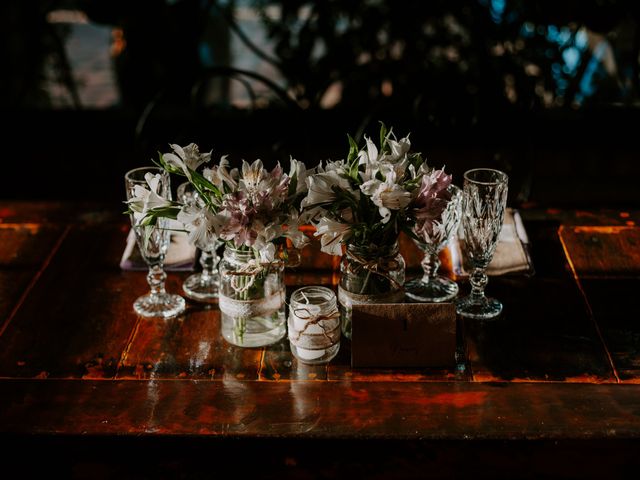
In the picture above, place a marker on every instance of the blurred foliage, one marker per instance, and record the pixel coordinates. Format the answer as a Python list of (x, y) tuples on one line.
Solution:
[(447, 62), (450, 61), (31, 51)]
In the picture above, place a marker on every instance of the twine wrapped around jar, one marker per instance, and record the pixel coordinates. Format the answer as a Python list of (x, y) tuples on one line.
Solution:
[(370, 274), (251, 308), (348, 299), (314, 324), (251, 299)]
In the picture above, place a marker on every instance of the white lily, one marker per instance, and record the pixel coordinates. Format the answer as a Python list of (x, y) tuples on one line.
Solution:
[(333, 234), (220, 175), (369, 158), (387, 195), (398, 148), (186, 158), (293, 233), (203, 226), (268, 253), (337, 166), (320, 187), (252, 176), (270, 233), (147, 199), (299, 171)]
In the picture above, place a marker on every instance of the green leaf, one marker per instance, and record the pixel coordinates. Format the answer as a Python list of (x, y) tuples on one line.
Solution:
[(159, 162), (353, 149), (201, 184), (383, 136), (169, 168)]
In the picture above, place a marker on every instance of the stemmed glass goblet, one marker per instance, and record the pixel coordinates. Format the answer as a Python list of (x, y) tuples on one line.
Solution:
[(483, 206), (434, 236), (153, 242), (203, 286)]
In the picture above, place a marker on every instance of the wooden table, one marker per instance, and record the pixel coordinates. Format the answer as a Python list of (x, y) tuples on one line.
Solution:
[(553, 383)]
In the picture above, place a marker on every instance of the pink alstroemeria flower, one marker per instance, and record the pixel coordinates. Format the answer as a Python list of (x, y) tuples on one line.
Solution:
[(431, 200)]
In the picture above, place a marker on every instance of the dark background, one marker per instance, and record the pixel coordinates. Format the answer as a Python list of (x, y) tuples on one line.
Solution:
[(546, 90)]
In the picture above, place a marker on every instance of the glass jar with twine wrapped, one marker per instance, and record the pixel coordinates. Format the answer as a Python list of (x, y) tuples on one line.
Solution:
[(314, 325), (369, 275), (252, 299)]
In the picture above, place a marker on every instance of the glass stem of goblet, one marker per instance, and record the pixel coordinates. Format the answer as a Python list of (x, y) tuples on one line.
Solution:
[(478, 282), (430, 265), (207, 262), (156, 278)]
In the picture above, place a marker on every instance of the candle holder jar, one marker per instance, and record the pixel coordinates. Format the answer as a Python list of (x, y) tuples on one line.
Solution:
[(314, 325)]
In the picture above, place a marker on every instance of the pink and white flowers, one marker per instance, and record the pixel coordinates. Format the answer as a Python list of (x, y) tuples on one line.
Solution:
[(431, 200), (249, 208), (364, 200), (367, 199)]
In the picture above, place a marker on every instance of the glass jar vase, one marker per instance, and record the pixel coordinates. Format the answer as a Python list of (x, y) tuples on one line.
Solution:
[(314, 325), (373, 274), (251, 299)]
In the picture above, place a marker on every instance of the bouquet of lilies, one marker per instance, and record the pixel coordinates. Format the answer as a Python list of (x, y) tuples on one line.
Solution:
[(250, 209), (373, 195)]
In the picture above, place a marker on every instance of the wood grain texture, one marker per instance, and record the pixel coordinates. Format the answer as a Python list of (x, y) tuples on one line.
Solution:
[(614, 304), (77, 319), (340, 370), (577, 217), (603, 251), (75, 359), (58, 212), (605, 261), (307, 409), (189, 346), (545, 333), (278, 363), (24, 250)]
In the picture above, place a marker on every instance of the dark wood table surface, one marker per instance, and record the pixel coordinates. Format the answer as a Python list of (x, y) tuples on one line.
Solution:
[(561, 366)]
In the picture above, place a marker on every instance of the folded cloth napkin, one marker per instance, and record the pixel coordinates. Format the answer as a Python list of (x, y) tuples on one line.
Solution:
[(512, 251), (180, 254)]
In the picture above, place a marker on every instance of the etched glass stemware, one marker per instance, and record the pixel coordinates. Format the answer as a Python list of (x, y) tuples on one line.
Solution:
[(204, 285), (483, 206), (432, 287), (153, 242)]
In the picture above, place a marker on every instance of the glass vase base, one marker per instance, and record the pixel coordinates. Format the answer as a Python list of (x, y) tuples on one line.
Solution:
[(202, 289), (438, 289), (166, 305), (482, 308), (315, 357), (255, 331)]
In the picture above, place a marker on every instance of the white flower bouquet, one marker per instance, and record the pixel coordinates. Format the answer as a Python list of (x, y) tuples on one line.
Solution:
[(360, 205), (249, 209), (256, 213), (369, 198)]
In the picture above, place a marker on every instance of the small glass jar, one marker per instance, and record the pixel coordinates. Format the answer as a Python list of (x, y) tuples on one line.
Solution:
[(369, 275), (314, 325), (251, 299)]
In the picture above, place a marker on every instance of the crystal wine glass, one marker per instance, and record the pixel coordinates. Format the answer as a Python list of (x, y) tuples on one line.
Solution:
[(432, 287), (202, 286), (153, 242), (483, 205)]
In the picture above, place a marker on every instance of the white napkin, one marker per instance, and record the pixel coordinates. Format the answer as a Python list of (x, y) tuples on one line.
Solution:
[(511, 255), (180, 254)]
